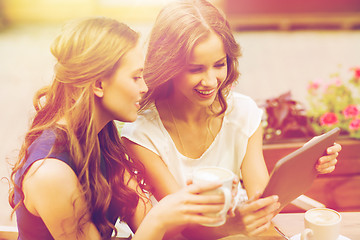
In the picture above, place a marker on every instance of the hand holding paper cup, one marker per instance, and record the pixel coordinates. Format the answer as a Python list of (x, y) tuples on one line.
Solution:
[(221, 175), (321, 224)]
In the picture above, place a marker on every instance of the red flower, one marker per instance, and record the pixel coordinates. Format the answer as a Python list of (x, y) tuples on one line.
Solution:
[(351, 111), (355, 124), (328, 119), (356, 72)]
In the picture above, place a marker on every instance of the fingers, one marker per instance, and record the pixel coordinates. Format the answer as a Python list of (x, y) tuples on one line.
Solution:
[(328, 159), (260, 229), (257, 214), (236, 180), (334, 149), (259, 208), (326, 164), (211, 198), (326, 167), (255, 205), (199, 194), (200, 188), (235, 185), (264, 215), (234, 195), (184, 207), (203, 208)]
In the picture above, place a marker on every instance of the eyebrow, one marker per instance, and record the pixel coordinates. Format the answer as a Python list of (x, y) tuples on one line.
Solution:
[(220, 60), (137, 71)]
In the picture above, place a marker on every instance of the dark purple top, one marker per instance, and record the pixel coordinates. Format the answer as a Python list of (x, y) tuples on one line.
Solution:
[(32, 227)]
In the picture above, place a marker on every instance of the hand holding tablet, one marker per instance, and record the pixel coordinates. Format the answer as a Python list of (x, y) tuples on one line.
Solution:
[(295, 173)]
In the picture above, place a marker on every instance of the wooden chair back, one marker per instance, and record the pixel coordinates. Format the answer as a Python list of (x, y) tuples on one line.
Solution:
[(8, 233)]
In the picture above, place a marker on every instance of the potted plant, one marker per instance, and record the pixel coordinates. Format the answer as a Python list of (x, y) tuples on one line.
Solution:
[(285, 118)]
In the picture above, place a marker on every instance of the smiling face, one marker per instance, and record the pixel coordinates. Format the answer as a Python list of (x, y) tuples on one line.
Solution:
[(122, 91), (206, 71)]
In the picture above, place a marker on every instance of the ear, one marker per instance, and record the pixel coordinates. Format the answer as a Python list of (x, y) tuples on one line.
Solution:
[(98, 88)]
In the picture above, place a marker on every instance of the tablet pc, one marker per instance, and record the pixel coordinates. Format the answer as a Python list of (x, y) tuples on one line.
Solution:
[(295, 173)]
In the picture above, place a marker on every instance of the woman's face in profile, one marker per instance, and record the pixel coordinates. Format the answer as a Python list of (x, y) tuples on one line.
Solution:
[(206, 71), (123, 90)]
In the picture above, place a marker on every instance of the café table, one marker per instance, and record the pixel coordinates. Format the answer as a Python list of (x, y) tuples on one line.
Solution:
[(292, 224)]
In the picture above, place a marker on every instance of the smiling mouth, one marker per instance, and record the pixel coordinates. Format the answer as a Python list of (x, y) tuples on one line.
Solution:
[(203, 92), (137, 104)]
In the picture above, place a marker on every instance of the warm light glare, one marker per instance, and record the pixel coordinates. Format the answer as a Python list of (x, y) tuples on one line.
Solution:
[(40, 11), (134, 2)]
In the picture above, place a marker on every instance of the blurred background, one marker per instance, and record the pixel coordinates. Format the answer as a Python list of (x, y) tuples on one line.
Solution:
[(285, 45)]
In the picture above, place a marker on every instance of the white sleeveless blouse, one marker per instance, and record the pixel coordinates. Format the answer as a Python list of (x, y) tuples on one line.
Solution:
[(241, 120)]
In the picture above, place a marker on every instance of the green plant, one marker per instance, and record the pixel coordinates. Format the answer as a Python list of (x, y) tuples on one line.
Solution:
[(335, 104)]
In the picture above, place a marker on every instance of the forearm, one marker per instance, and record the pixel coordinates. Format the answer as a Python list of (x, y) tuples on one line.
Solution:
[(150, 229)]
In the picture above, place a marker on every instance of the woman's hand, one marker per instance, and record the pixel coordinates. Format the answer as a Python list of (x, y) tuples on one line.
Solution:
[(234, 193), (326, 164), (184, 207), (255, 215)]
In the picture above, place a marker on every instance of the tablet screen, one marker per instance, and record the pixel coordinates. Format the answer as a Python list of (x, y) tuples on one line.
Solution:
[(294, 174)]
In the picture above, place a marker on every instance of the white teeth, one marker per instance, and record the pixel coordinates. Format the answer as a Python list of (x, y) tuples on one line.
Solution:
[(205, 92)]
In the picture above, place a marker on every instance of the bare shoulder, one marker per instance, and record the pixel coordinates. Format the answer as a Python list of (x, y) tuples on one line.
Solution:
[(46, 180), (49, 171)]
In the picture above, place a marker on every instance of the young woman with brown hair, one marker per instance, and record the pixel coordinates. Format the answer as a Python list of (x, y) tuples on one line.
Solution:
[(190, 118), (73, 178)]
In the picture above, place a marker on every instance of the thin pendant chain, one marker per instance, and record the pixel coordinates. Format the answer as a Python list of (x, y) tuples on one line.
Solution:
[(179, 136)]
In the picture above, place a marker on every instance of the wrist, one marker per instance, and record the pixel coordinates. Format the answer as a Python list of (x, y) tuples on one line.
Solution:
[(153, 226)]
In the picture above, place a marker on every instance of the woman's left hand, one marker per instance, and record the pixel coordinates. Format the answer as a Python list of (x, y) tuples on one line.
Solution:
[(326, 164)]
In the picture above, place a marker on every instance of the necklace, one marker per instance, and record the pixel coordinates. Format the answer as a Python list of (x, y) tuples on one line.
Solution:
[(179, 136)]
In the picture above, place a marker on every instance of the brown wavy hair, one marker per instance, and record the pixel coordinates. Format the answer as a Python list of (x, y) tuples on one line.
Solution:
[(86, 50), (178, 28)]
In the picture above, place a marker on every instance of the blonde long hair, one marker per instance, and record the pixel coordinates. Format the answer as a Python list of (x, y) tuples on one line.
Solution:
[(86, 50), (178, 28)]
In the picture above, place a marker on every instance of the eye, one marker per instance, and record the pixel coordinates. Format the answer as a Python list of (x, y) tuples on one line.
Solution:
[(195, 70), (137, 78), (220, 65)]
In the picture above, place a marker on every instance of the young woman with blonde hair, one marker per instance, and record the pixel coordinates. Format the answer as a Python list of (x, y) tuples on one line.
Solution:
[(190, 117), (73, 178)]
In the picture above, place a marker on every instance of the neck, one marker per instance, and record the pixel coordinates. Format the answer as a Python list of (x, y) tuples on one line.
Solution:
[(100, 118), (192, 129), (192, 121), (187, 112)]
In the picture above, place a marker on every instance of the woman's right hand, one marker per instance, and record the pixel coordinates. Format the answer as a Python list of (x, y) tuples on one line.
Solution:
[(188, 205), (255, 215), (184, 207)]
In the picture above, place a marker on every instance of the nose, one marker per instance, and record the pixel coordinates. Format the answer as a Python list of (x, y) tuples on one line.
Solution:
[(143, 86), (209, 79)]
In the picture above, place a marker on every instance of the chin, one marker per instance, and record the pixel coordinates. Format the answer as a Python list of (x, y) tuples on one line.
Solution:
[(131, 118), (128, 118), (208, 102)]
